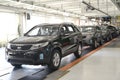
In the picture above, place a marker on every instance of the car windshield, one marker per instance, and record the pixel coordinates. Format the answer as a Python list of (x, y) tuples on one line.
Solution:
[(103, 27), (87, 29), (47, 30)]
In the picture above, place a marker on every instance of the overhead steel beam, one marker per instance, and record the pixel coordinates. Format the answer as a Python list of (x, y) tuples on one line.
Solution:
[(27, 7), (116, 3), (95, 8)]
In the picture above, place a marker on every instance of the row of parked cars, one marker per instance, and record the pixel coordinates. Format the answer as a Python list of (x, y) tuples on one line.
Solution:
[(46, 44), (97, 35)]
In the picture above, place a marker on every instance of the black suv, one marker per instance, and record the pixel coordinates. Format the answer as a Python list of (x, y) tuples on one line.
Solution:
[(45, 44), (113, 30), (107, 36), (92, 35)]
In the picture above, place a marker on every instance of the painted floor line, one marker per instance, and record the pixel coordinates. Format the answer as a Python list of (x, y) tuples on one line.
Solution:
[(85, 56)]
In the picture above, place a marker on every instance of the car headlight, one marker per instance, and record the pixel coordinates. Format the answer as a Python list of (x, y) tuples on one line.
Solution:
[(8, 45), (40, 45)]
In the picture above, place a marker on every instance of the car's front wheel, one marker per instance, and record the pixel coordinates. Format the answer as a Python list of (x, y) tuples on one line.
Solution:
[(55, 60), (107, 39), (78, 53), (101, 41), (110, 37), (95, 43)]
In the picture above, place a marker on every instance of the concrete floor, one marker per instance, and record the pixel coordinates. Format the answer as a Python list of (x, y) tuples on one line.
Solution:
[(102, 65), (30, 72)]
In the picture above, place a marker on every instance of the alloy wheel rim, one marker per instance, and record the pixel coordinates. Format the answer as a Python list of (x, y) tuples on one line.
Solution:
[(96, 44), (56, 59), (102, 41), (79, 49), (107, 38)]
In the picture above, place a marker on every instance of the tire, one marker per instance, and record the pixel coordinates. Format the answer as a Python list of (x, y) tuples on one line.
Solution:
[(95, 43), (110, 37), (55, 60), (16, 65), (107, 39), (78, 53), (102, 41)]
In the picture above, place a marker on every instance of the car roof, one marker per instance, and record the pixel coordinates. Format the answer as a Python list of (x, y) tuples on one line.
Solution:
[(86, 26), (58, 24)]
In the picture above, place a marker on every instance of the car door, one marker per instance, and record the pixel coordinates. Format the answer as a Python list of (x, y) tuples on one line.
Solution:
[(73, 38), (64, 39)]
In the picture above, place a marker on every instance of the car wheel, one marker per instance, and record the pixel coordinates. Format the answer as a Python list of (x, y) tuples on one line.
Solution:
[(55, 60), (16, 65), (78, 53), (95, 43), (101, 41), (107, 39), (110, 37)]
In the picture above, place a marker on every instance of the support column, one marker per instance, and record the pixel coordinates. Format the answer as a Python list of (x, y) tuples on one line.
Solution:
[(22, 24)]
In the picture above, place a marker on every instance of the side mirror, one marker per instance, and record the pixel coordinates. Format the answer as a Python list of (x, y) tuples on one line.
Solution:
[(24, 34)]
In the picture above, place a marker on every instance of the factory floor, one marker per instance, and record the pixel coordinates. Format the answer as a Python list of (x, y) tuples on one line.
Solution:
[(102, 63)]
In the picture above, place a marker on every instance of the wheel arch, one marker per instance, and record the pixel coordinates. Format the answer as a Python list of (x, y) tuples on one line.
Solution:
[(59, 49), (51, 64)]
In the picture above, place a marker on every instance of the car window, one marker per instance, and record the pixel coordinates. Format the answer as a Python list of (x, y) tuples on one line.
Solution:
[(47, 30), (98, 28), (70, 29), (63, 29), (103, 27), (34, 31)]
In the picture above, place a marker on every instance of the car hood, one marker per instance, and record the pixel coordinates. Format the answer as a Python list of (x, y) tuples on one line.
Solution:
[(32, 40)]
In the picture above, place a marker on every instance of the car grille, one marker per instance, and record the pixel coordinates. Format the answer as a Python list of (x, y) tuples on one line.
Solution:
[(21, 47)]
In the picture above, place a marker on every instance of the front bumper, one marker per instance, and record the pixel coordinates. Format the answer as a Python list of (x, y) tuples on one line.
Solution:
[(31, 57)]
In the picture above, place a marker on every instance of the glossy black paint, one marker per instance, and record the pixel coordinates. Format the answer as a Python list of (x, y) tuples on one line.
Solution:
[(109, 32), (20, 51), (113, 30), (106, 34), (91, 33)]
